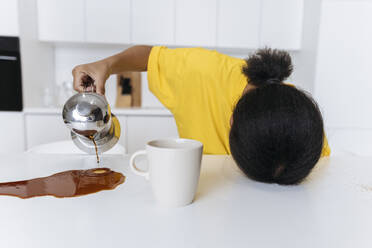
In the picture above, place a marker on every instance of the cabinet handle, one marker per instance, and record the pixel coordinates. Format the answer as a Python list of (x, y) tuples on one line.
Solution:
[(12, 58)]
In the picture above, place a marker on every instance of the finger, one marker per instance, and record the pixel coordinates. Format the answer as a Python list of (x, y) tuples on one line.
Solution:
[(79, 87), (78, 78), (100, 86)]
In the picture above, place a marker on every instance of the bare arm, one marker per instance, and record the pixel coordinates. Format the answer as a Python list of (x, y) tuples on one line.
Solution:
[(133, 59)]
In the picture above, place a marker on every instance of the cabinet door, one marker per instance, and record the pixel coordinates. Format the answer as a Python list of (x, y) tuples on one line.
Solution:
[(124, 131), (142, 129), (9, 18), (41, 129), (108, 21), (281, 24), (238, 23), (61, 20), (153, 21), (196, 22), (11, 132)]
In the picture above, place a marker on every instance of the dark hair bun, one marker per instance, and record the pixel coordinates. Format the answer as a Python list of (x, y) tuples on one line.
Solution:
[(268, 66)]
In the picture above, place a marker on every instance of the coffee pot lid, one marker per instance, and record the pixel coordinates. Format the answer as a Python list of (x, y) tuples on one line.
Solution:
[(86, 113)]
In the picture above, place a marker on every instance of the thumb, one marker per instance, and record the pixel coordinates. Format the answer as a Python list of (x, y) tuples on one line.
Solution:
[(78, 82)]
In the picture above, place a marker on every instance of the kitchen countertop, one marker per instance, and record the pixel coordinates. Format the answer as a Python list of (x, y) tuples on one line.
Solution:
[(332, 208)]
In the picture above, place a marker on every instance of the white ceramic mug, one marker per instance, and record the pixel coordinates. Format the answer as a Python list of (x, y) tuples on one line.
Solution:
[(174, 169)]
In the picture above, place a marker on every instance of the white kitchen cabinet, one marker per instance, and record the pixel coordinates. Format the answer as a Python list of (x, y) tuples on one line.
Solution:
[(124, 130), (43, 128), (47, 128), (238, 23), (137, 126), (61, 20), (142, 129), (11, 132), (246, 24), (9, 18), (108, 21), (281, 24), (196, 22), (153, 22)]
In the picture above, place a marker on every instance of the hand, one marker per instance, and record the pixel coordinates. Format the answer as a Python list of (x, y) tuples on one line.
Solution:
[(91, 77)]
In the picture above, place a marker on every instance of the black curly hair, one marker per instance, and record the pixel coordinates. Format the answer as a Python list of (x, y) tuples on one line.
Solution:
[(277, 130)]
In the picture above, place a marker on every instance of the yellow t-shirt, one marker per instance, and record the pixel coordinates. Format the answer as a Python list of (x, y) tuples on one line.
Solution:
[(200, 87)]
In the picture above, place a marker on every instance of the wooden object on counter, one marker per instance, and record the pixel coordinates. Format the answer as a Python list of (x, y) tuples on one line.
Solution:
[(128, 90)]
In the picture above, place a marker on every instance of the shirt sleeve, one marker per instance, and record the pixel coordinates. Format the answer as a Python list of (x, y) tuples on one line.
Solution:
[(176, 73)]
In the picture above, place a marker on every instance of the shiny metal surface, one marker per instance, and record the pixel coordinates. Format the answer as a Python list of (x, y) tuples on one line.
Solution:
[(88, 115), (104, 141)]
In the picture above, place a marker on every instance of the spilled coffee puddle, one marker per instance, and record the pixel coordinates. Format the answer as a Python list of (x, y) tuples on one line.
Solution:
[(65, 184)]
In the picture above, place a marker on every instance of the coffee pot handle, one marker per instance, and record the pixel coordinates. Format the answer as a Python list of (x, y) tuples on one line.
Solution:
[(88, 82), (133, 166)]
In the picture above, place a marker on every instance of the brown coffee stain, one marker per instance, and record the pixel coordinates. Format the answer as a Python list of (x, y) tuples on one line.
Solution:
[(86, 133), (70, 183)]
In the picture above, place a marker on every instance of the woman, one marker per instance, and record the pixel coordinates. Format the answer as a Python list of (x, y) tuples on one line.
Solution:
[(273, 130)]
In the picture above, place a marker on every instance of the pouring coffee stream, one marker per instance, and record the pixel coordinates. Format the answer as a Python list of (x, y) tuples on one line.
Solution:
[(95, 147)]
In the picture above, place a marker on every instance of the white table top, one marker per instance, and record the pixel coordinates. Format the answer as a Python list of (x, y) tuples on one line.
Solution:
[(333, 208)]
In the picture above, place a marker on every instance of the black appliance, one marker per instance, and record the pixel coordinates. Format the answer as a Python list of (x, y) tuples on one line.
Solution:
[(10, 74)]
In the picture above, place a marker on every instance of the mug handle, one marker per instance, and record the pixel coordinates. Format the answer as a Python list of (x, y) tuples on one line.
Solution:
[(132, 164)]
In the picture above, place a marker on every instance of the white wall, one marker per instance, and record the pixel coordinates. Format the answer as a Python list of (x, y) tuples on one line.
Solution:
[(343, 83), (37, 58), (305, 59), (9, 25), (343, 79), (68, 56)]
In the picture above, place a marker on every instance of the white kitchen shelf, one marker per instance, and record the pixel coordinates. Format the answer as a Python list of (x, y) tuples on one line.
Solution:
[(116, 111)]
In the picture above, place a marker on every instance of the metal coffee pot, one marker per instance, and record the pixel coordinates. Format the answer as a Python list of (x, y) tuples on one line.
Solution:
[(88, 116)]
